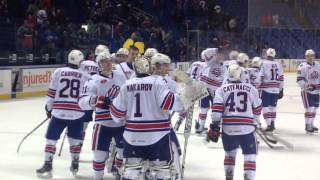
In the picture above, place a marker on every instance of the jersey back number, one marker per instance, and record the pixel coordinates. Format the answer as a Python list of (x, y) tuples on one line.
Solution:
[(241, 105), (70, 88)]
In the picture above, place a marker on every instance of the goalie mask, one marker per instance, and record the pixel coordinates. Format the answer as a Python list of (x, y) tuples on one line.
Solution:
[(141, 66), (101, 48), (75, 57), (234, 72)]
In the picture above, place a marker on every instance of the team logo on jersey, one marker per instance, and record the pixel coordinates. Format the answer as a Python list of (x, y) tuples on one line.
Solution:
[(216, 72), (103, 81), (314, 75)]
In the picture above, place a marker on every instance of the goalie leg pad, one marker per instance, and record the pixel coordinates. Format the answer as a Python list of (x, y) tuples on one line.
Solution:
[(132, 168)]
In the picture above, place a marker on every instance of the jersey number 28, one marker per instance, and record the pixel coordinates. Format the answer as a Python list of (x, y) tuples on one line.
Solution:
[(71, 88)]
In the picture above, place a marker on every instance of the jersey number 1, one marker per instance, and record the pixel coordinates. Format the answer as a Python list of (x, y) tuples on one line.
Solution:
[(137, 113)]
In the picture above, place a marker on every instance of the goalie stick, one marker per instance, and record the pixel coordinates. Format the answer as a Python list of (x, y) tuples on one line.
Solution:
[(187, 132), (25, 137)]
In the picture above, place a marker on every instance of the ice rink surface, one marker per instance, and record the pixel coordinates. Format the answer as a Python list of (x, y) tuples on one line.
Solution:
[(204, 160)]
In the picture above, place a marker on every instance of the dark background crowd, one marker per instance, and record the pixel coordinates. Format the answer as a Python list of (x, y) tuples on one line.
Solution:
[(179, 28)]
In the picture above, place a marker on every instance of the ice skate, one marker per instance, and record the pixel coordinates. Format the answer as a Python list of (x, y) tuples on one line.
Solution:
[(74, 168), (45, 171)]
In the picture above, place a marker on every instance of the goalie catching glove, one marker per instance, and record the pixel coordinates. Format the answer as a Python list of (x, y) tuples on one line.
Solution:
[(191, 90), (214, 132)]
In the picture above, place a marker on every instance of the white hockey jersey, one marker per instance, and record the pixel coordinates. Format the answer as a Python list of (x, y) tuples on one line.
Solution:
[(195, 69), (239, 106), (91, 67), (126, 69), (213, 76), (254, 76), (229, 62), (101, 85), (64, 91), (271, 75), (171, 83), (307, 75), (145, 102)]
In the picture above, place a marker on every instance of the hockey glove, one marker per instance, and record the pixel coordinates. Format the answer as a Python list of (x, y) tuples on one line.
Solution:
[(48, 112), (280, 94), (311, 87), (214, 132), (103, 102)]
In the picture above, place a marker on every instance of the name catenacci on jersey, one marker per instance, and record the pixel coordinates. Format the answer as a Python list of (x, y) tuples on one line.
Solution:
[(239, 105), (101, 85), (254, 76), (64, 91), (309, 75), (195, 69), (213, 76), (125, 69), (271, 75), (145, 102), (91, 67)]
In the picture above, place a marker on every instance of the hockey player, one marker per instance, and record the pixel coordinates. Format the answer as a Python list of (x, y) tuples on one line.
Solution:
[(126, 68), (150, 52), (271, 75), (99, 49), (254, 71), (98, 93), (121, 55), (145, 102), (62, 104), (233, 56), (308, 78), (213, 75), (238, 106)]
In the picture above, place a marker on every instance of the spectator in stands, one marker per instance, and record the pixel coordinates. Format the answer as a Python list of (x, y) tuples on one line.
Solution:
[(25, 36)]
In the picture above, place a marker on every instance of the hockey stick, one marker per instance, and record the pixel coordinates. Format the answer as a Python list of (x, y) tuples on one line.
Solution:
[(266, 136), (62, 143), (187, 132), (282, 141), (267, 142), (25, 137)]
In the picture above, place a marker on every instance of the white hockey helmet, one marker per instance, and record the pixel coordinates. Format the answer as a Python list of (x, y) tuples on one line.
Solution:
[(150, 52), (242, 58), (141, 65), (75, 57), (310, 52), (256, 62), (100, 48), (271, 52), (103, 56), (160, 58), (210, 54), (233, 55), (234, 72), (123, 51)]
